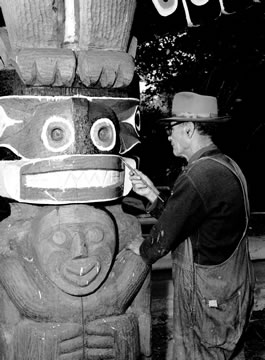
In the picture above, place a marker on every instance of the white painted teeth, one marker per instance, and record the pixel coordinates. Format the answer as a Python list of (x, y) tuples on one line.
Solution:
[(74, 179)]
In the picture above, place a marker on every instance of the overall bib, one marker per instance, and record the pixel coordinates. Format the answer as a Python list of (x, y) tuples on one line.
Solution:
[(212, 303)]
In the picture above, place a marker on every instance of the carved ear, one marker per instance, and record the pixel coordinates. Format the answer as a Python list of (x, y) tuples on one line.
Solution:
[(15, 227), (23, 212)]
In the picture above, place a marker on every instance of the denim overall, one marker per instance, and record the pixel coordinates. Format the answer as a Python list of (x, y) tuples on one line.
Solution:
[(212, 304)]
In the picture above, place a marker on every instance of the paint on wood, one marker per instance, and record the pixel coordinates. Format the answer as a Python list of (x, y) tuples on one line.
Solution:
[(73, 155)]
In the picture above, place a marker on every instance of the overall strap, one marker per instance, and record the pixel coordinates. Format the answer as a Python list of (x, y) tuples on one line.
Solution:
[(235, 169)]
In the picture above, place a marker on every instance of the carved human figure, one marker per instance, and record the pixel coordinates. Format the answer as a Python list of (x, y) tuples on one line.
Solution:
[(68, 284)]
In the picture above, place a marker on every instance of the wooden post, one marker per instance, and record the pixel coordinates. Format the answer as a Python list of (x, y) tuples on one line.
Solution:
[(68, 111)]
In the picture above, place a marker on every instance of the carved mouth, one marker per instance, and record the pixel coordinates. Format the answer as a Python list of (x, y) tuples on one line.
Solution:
[(80, 275), (74, 179), (65, 179)]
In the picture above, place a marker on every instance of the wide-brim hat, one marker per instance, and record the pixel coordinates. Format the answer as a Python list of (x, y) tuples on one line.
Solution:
[(189, 106)]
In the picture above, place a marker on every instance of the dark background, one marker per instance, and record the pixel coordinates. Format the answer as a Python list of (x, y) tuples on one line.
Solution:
[(230, 53)]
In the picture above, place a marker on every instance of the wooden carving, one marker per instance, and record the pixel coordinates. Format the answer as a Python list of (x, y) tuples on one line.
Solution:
[(68, 282), (73, 152), (69, 289), (50, 42)]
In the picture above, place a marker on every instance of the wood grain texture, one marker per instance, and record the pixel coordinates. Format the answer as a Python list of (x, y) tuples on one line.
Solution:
[(48, 40), (47, 67), (69, 288), (105, 68), (106, 24), (54, 322), (31, 24)]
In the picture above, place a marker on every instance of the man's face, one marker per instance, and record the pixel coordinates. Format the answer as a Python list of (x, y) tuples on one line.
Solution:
[(75, 246), (177, 135)]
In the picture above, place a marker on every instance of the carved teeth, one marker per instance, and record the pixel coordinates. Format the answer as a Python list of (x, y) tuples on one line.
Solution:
[(74, 179)]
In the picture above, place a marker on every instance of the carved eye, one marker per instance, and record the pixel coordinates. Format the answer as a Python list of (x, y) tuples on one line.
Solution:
[(95, 235), (103, 134), (57, 134)]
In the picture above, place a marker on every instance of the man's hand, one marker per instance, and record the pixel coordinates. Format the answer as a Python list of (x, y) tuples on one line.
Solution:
[(143, 186)]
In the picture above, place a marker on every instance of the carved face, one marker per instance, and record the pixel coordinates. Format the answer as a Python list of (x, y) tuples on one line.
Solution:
[(75, 246), (66, 149)]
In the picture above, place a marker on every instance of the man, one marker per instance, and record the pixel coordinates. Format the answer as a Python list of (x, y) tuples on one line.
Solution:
[(204, 224)]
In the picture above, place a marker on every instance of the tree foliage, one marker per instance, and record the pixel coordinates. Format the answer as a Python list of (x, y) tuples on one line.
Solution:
[(216, 58)]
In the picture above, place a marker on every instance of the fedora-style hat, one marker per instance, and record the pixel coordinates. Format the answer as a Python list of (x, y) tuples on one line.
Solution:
[(189, 106)]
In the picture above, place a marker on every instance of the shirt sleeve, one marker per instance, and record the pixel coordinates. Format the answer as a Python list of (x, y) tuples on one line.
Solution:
[(157, 207), (182, 213)]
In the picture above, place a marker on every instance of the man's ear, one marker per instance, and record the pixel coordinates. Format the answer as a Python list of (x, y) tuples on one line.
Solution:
[(189, 127)]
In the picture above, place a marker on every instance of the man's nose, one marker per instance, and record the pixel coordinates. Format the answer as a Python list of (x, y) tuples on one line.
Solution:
[(79, 246)]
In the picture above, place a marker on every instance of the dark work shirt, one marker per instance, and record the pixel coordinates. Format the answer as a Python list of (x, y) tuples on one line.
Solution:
[(207, 205)]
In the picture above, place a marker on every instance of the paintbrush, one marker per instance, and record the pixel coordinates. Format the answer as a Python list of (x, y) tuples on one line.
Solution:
[(154, 190)]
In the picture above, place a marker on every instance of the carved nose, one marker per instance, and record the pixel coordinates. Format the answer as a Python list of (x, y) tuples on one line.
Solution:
[(79, 246)]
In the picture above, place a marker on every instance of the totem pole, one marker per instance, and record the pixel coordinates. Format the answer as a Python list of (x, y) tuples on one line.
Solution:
[(69, 288)]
